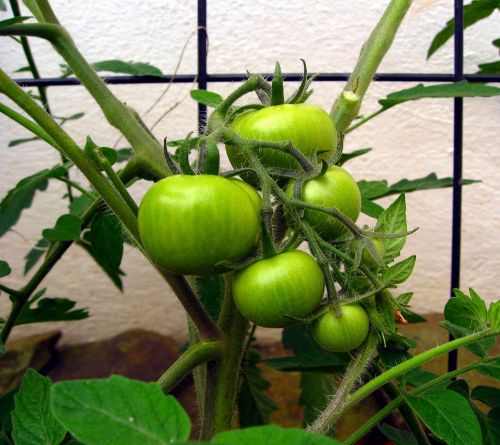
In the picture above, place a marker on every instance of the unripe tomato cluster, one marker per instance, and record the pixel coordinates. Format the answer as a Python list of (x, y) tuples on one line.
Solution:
[(199, 224)]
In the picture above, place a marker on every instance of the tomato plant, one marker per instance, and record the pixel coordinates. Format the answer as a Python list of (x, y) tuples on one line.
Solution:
[(335, 189), (308, 127), (188, 224), (341, 333), (368, 258), (273, 291)]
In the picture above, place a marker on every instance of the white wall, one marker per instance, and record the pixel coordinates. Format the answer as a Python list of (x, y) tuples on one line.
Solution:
[(410, 141)]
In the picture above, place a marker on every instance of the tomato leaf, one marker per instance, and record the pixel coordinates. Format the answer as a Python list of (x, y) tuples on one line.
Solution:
[(107, 240), (254, 404), (489, 68), (479, 347), (68, 228), (4, 269), (399, 272), (494, 314), (32, 420), (468, 312), (35, 254), (491, 369), (371, 208), (137, 413), (397, 436), (120, 67), (271, 435), (473, 12), (50, 309), (487, 394), (210, 292), (448, 415), (205, 97), (6, 408), (315, 393), (393, 220), (419, 376), (345, 157), (13, 21)]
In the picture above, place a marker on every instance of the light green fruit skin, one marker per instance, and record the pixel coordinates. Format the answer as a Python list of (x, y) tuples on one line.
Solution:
[(341, 334), (308, 126), (290, 284), (337, 189), (188, 224), (366, 256)]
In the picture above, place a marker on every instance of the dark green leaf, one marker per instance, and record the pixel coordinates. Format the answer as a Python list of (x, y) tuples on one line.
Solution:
[(487, 394), (210, 291), (393, 220), (35, 254), (271, 435), (113, 274), (110, 154), (445, 90), (4, 269), (6, 408), (107, 240), (493, 426), (448, 415), (136, 413), (205, 97), (479, 347), (121, 67), (496, 43), (489, 68), (490, 369), (254, 404), (344, 157), (494, 315), (15, 142), (73, 117), (392, 354), (316, 389), (373, 189), (397, 436), (473, 12), (419, 376), (468, 312), (124, 154), (13, 21), (23, 69), (50, 309), (399, 272), (79, 205), (32, 420), (460, 386), (68, 228), (371, 208)]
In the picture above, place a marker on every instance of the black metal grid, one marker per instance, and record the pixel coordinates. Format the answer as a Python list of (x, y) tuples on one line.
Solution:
[(204, 78)]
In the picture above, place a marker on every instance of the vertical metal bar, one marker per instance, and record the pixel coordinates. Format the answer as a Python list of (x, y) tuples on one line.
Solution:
[(202, 60), (457, 162)]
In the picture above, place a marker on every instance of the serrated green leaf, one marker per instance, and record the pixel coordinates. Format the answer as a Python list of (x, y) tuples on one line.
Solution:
[(254, 403), (399, 272), (35, 254), (393, 220), (445, 90), (13, 21), (473, 12), (494, 314), (397, 436), (316, 389), (468, 312), (136, 413), (491, 369), (68, 228), (32, 420), (448, 415), (345, 157), (487, 394), (107, 240), (272, 435), (50, 309), (479, 347), (205, 97), (4, 269), (373, 189), (210, 291), (489, 68)]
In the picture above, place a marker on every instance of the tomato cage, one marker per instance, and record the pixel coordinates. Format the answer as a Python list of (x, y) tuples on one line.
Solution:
[(203, 78)]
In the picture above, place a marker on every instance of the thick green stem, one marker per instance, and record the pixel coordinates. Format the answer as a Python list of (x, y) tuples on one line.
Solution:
[(372, 53), (326, 420), (221, 393), (146, 147), (8, 290), (196, 354), (400, 399)]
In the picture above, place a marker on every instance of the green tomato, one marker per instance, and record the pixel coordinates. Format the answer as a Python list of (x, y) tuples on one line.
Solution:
[(309, 127), (189, 224), (344, 333), (368, 259), (289, 284), (335, 189)]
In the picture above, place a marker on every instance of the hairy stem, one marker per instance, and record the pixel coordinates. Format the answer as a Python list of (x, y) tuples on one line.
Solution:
[(372, 53), (196, 354)]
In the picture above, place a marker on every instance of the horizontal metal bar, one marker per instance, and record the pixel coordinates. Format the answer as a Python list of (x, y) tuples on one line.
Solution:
[(218, 78)]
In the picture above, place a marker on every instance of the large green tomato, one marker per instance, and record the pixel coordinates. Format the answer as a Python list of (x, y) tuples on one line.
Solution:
[(344, 333), (289, 284), (188, 224), (309, 127), (335, 189)]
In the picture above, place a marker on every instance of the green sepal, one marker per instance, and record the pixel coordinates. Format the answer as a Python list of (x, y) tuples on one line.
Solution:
[(277, 96), (183, 156)]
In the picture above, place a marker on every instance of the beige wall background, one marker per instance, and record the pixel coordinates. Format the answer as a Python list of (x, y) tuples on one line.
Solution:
[(409, 141)]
